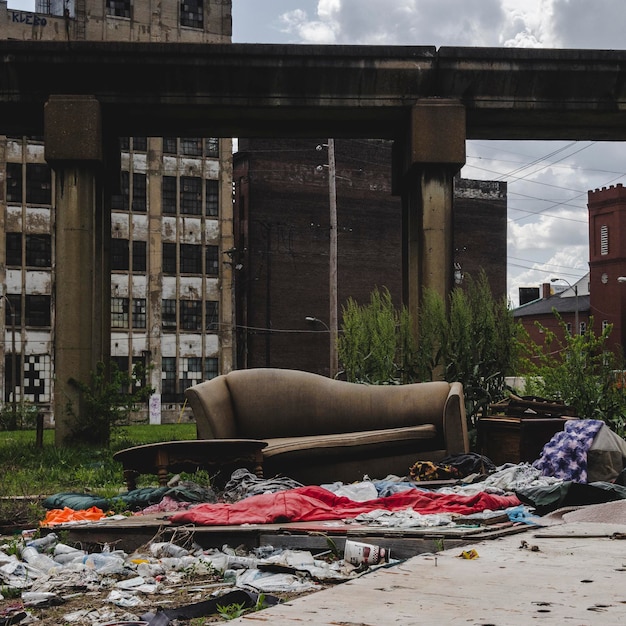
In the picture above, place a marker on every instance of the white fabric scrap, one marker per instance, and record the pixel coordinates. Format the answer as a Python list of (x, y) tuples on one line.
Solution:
[(406, 518)]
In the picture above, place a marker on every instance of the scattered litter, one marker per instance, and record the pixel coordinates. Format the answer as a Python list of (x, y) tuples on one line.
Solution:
[(48, 573), (469, 554)]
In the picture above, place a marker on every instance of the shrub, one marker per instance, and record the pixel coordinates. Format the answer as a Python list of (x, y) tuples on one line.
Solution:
[(578, 370), (106, 402)]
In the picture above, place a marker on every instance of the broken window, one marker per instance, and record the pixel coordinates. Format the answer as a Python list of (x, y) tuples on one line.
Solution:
[(38, 251), (139, 256), (212, 147), (169, 145), (169, 258), (169, 379), (10, 385), (14, 308), (191, 373), (119, 312), (37, 310), (168, 314), (119, 8), (210, 367), (119, 254), (140, 144), (212, 260), (190, 259), (191, 195), (125, 144), (14, 249), (139, 312), (192, 13), (191, 314), (14, 183), (38, 184), (120, 200), (212, 315), (212, 198), (139, 193), (191, 146), (168, 195)]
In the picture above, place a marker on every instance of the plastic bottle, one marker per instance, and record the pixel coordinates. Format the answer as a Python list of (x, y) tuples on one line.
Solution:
[(43, 543), (37, 560), (166, 548), (104, 563)]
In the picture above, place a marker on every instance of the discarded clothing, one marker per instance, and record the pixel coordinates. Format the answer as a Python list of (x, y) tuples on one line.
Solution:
[(131, 500), (565, 455), (470, 463), (243, 484), (547, 499), (314, 503), (427, 470), (507, 479)]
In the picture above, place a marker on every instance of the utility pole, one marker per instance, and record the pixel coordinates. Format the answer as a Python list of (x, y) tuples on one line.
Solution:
[(332, 260)]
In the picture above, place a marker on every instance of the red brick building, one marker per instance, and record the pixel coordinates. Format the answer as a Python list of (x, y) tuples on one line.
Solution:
[(601, 293), (607, 259), (282, 242)]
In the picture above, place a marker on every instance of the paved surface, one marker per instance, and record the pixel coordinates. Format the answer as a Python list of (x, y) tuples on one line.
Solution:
[(537, 577)]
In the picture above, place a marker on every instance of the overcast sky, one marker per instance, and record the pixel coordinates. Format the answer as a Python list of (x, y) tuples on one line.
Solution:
[(547, 181)]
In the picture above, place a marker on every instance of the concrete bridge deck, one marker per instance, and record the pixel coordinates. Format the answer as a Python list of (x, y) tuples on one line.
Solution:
[(302, 90)]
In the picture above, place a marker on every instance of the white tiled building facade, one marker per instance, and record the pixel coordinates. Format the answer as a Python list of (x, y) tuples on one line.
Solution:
[(171, 291)]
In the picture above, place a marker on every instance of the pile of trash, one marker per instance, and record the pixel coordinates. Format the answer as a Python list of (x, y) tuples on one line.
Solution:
[(40, 577)]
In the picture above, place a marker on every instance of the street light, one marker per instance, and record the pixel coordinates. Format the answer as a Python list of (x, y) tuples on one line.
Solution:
[(312, 320), (13, 355), (575, 288)]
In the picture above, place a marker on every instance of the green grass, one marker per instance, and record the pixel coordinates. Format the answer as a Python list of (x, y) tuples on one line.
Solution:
[(30, 471)]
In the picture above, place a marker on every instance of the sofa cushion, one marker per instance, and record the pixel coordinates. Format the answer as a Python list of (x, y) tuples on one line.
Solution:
[(389, 437), (269, 403)]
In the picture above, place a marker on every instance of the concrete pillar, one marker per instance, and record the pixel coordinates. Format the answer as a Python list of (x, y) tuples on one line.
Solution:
[(73, 148), (433, 153)]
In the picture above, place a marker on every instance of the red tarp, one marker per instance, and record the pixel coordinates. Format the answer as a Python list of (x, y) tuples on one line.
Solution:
[(316, 503)]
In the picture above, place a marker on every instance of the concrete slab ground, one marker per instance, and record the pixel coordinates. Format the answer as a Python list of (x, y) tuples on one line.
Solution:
[(573, 573)]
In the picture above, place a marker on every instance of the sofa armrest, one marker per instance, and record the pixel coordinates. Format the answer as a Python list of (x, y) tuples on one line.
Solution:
[(455, 421), (212, 408)]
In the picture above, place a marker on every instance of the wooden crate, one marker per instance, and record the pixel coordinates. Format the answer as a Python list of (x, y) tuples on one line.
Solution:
[(506, 439)]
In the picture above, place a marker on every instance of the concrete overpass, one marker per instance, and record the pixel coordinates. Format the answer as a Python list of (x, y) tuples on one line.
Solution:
[(81, 96)]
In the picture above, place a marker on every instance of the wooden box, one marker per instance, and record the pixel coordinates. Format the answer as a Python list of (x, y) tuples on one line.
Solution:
[(505, 439)]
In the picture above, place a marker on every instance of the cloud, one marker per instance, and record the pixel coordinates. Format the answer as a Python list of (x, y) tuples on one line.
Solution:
[(297, 23), (403, 22), (585, 24)]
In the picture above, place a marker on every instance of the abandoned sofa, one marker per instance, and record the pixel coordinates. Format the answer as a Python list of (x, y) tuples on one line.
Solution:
[(321, 430)]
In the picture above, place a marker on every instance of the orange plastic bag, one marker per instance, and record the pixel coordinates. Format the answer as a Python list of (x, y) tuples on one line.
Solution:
[(64, 515)]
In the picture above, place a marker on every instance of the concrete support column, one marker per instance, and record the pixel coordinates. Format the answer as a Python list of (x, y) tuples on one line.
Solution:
[(73, 147), (433, 154)]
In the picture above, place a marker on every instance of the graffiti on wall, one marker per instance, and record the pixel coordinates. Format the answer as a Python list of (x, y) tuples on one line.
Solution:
[(31, 19)]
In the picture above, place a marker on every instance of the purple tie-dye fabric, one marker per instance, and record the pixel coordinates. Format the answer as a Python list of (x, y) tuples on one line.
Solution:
[(565, 455)]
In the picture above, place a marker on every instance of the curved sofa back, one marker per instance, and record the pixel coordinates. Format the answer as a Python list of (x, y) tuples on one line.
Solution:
[(265, 403)]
